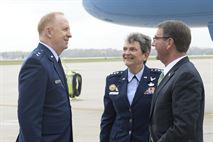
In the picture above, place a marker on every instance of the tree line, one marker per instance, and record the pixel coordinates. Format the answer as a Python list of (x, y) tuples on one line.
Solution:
[(78, 53)]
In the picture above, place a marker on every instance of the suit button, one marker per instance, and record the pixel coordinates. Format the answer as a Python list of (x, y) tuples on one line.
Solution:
[(130, 110), (130, 132), (130, 120)]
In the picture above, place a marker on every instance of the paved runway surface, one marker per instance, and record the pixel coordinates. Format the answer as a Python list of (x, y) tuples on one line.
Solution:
[(88, 107)]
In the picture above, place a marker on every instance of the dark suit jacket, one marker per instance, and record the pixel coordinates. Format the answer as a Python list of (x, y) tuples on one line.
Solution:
[(44, 111), (178, 106), (121, 122)]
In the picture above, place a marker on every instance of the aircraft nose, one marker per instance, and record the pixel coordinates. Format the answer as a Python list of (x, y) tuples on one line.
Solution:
[(88, 6), (210, 27), (97, 8)]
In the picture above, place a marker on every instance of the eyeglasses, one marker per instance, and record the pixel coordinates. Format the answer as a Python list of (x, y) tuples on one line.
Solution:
[(158, 37)]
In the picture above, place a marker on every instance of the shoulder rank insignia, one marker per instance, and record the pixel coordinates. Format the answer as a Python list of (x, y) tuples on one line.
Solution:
[(116, 73)]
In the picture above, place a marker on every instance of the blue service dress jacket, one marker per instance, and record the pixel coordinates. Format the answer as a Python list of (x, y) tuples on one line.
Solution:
[(122, 122), (44, 110)]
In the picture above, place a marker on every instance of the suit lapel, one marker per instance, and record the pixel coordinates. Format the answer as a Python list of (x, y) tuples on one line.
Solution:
[(171, 73), (163, 82), (166, 79)]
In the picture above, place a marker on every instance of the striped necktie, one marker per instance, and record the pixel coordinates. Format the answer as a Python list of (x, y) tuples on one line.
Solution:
[(160, 78)]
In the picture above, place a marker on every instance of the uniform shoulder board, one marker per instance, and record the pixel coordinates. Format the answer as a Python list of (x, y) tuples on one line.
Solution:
[(37, 53), (116, 73)]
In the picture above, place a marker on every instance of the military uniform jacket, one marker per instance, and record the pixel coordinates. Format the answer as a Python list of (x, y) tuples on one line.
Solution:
[(121, 122), (44, 111)]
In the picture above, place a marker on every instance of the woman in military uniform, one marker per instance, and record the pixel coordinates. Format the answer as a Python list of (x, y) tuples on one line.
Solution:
[(128, 94)]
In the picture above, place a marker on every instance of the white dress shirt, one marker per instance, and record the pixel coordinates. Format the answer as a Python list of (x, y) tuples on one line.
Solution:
[(170, 65)]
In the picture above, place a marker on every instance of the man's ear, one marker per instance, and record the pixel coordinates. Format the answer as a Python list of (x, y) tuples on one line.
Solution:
[(48, 32), (146, 56), (170, 43)]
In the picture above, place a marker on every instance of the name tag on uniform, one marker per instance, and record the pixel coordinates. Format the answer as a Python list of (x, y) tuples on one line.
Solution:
[(57, 81), (113, 93)]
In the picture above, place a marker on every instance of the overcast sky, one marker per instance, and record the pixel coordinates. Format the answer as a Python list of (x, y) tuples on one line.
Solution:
[(19, 19)]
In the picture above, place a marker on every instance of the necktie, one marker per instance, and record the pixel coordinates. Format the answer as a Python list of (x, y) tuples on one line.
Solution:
[(134, 77), (63, 75), (61, 69), (60, 64), (160, 78)]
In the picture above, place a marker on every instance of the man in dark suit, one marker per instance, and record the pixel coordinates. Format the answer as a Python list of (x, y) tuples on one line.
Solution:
[(177, 108), (128, 94), (44, 110)]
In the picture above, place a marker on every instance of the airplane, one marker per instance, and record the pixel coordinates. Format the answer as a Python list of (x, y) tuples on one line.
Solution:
[(148, 13)]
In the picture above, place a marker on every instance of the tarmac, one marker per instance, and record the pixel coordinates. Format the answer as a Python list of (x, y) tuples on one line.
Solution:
[(88, 107)]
